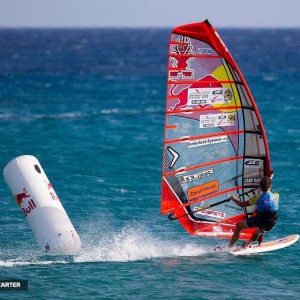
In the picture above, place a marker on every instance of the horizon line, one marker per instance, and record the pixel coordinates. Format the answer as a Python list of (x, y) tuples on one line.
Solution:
[(136, 27)]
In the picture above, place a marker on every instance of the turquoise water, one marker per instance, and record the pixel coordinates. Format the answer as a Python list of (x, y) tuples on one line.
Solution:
[(89, 104)]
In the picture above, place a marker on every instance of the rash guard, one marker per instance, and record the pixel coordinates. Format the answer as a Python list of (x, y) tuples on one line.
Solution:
[(267, 201)]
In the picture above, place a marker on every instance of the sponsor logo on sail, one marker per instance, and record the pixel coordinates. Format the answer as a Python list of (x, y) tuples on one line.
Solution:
[(203, 189), (252, 163), (218, 120), (252, 180), (197, 176), (208, 96), (208, 141), (205, 51), (210, 213)]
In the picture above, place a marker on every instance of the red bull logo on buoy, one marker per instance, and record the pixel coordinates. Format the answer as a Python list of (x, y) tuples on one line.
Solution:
[(21, 196), (26, 210)]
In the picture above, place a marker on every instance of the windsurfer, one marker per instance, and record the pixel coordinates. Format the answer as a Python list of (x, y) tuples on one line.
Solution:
[(266, 213)]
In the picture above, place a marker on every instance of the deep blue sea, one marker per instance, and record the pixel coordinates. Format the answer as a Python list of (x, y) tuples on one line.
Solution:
[(89, 104)]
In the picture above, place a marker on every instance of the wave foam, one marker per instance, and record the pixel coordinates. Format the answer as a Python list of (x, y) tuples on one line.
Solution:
[(134, 243), (131, 243)]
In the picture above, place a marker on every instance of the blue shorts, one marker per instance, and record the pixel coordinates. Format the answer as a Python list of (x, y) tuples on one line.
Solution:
[(265, 220)]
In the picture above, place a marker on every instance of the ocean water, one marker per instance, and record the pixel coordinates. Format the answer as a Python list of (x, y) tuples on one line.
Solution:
[(89, 104)]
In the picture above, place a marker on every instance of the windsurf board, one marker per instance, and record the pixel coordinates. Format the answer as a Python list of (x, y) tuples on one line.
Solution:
[(267, 246)]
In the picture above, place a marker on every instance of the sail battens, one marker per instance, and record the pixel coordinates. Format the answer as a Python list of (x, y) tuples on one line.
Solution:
[(214, 140), (194, 55), (171, 126), (207, 163), (188, 110), (201, 136), (177, 81)]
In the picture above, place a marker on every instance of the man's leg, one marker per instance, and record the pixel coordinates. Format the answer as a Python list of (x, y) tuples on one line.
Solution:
[(260, 239), (255, 235), (238, 228)]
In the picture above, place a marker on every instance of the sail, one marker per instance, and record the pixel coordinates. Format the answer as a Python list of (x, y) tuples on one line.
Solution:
[(214, 141)]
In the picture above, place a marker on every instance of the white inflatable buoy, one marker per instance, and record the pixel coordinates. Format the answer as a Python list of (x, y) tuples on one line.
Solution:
[(40, 205)]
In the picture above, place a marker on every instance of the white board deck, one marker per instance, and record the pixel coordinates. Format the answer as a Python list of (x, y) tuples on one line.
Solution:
[(267, 246)]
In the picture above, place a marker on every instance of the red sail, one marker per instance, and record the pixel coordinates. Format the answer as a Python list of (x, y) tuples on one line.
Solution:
[(214, 141)]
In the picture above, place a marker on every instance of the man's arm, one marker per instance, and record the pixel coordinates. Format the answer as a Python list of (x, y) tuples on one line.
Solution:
[(238, 202)]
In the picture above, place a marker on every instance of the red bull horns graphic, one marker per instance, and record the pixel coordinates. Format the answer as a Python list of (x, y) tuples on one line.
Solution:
[(21, 196), (30, 202), (181, 64), (40, 206), (181, 56), (201, 94)]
